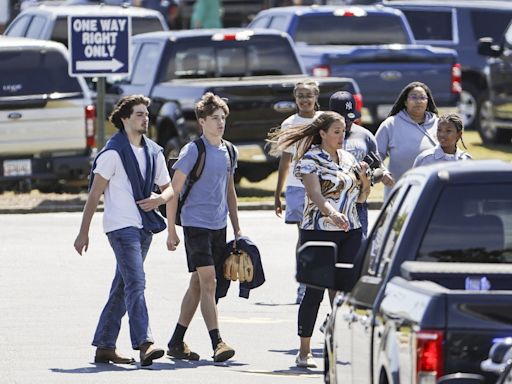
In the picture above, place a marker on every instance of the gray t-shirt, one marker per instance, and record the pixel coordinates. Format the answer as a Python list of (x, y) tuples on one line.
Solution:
[(206, 205), (359, 142)]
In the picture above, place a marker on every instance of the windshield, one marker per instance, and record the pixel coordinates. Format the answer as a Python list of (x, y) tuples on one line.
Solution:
[(31, 72), (351, 30), (260, 56), (470, 224)]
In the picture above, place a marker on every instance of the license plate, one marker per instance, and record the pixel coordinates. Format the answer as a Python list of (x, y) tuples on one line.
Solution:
[(383, 111), (22, 167)]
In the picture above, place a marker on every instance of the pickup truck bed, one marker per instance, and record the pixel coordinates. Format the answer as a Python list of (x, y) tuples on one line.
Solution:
[(466, 321)]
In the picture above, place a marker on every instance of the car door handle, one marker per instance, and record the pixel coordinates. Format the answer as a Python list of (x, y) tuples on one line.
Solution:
[(14, 115)]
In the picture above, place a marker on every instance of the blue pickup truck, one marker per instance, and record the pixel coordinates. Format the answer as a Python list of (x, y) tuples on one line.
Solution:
[(433, 286), (373, 45)]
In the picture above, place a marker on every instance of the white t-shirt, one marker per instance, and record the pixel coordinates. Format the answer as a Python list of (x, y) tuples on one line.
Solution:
[(293, 121), (120, 208)]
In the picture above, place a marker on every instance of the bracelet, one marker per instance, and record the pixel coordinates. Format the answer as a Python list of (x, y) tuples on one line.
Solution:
[(332, 213)]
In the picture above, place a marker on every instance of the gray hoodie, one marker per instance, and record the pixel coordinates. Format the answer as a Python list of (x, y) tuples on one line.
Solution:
[(402, 139)]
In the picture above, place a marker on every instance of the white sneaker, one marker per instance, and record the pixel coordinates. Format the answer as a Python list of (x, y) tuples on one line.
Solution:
[(305, 362)]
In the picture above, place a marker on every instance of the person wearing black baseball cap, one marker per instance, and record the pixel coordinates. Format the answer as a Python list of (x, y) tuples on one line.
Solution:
[(359, 141)]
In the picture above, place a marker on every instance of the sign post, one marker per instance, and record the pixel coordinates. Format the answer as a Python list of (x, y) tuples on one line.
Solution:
[(99, 46)]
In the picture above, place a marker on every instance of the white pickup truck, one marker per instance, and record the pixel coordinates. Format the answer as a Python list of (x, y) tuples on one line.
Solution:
[(47, 119)]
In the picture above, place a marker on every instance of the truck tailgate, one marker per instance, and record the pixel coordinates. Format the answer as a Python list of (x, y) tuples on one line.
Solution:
[(39, 126), (474, 320), (382, 71), (396, 65), (256, 104)]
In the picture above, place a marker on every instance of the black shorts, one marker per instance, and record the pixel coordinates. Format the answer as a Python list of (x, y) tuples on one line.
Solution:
[(204, 247)]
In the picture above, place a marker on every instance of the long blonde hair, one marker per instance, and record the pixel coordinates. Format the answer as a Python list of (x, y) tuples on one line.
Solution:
[(305, 135)]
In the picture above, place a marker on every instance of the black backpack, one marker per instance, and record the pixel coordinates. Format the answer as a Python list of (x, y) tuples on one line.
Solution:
[(195, 174)]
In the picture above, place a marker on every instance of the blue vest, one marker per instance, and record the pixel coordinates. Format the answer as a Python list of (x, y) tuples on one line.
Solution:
[(142, 187)]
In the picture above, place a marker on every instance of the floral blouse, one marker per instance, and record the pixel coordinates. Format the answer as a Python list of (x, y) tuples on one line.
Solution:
[(338, 184)]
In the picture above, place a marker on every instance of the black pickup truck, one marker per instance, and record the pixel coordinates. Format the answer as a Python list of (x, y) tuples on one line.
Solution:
[(254, 70), (433, 281)]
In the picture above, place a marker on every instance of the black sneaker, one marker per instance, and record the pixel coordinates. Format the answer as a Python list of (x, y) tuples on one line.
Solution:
[(182, 352)]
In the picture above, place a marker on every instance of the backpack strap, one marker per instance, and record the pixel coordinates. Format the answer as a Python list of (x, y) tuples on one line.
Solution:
[(231, 152), (197, 171)]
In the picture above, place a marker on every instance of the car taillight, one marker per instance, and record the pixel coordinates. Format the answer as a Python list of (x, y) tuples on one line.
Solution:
[(358, 98), (90, 126), (321, 71), (429, 356), (456, 79)]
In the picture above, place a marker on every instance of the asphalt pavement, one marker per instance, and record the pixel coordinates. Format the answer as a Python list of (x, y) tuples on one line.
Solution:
[(51, 299)]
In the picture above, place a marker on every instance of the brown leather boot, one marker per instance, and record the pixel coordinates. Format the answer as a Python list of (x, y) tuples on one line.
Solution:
[(148, 353), (104, 355)]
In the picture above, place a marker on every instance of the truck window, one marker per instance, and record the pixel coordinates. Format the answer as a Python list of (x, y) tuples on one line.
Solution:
[(392, 239), (348, 30), (470, 223), (256, 57), (19, 26), (280, 22), (36, 27), (430, 25), (378, 237), (143, 70), (29, 72), (260, 22), (490, 23)]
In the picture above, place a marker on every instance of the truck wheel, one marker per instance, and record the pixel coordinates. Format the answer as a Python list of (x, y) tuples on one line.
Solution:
[(469, 105), (489, 133)]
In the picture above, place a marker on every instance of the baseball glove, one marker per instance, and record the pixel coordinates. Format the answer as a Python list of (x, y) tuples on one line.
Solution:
[(238, 266)]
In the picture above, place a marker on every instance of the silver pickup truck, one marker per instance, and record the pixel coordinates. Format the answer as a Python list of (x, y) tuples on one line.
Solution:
[(47, 119)]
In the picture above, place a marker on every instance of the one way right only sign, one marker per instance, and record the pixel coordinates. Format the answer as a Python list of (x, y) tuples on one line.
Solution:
[(99, 45)]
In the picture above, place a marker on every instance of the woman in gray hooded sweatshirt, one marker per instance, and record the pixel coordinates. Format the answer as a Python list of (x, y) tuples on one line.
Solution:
[(409, 129)]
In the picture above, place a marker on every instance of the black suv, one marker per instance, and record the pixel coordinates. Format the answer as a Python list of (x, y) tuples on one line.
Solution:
[(459, 25)]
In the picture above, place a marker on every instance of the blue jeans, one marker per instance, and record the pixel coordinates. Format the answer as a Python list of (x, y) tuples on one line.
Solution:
[(130, 247), (362, 212)]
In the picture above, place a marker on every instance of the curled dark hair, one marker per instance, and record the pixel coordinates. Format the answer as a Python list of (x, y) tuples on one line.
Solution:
[(404, 93), (208, 104), (305, 135), (124, 108)]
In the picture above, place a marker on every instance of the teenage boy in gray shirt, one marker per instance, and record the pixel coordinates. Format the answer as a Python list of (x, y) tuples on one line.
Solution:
[(204, 218)]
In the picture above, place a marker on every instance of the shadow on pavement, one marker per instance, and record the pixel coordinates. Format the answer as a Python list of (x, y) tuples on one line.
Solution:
[(317, 352), (274, 304), (168, 365)]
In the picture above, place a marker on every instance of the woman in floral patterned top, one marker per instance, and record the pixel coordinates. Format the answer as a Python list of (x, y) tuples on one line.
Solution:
[(334, 182)]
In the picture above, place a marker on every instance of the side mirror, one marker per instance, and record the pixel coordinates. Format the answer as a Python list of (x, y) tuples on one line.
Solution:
[(461, 378), (316, 264), (486, 47)]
